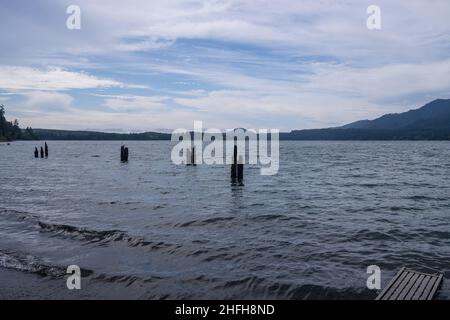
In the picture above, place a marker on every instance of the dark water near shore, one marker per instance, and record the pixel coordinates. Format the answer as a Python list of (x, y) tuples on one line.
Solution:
[(150, 229)]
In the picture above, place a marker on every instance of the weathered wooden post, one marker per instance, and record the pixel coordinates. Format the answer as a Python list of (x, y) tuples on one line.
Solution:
[(123, 153), (190, 157), (42, 152), (237, 167), (46, 150), (240, 169), (233, 165), (36, 152)]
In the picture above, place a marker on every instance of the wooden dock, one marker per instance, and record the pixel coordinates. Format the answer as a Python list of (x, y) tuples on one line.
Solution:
[(411, 285)]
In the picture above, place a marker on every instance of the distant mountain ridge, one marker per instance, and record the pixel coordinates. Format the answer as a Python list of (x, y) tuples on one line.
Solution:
[(430, 122), (433, 115)]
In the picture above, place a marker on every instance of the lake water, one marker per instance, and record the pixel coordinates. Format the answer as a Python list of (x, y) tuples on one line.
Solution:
[(149, 229)]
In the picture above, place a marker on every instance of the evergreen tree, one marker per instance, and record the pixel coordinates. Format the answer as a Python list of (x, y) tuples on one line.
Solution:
[(2, 121), (11, 130)]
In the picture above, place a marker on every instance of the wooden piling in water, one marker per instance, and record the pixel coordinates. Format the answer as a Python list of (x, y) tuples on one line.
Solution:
[(46, 150), (237, 167), (42, 152), (190, 157), (240, 169), (36, 152), (234, 165), (123, 153)]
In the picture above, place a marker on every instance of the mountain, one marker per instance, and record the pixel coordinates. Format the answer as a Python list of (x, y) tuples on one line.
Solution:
[(433, 115), (360, 124), (430, 122)]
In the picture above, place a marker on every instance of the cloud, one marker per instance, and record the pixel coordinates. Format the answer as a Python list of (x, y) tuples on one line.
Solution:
[(328, 28), (42, 101), (308, 27), (139, 44), (386, 83), (25, 78), (282, 110), (76, 119), (286, 64), (134, 103)]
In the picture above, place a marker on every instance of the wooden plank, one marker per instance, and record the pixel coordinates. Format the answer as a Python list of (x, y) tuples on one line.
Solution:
[(390, 291), (395, 286), (436, 287), (402, 285), (390, 284), (415, 287), (427, 290), (409, 285), (422, 287), (431, 288)]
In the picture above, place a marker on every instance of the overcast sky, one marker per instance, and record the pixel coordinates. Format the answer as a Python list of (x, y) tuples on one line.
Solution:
[(151, 64)]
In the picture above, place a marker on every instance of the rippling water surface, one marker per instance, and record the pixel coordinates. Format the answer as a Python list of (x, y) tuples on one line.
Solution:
[(150, 229)]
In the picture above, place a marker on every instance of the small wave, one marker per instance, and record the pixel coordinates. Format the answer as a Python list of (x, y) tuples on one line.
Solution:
[(17, 215), (421, 198), (265, 288), (28, 263), (81, 234), (104, 236), (216, 219), (124, 279), (117, 202), (204, 222), (246, 282), (31, 264), (376, 235), (268, 217), (222, 256), (403, 208), (198, 252), (433, 233), (315, 292)]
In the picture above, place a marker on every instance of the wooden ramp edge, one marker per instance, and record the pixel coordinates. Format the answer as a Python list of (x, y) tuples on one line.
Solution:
[(411, 285)]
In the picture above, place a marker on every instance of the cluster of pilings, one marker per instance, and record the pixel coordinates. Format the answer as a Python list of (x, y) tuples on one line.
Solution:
[(237, 165), (43, 151), (124, 154)]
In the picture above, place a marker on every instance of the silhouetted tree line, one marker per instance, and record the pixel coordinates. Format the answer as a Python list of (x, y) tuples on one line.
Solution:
[(50, 134), (10, 131)]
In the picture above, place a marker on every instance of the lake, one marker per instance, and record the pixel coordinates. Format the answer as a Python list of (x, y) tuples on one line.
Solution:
[(149, 229)]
